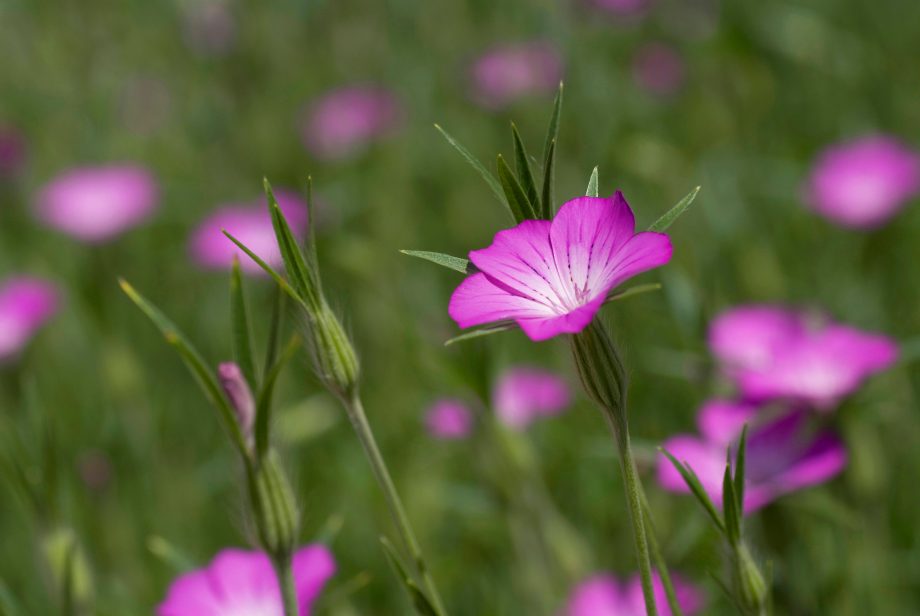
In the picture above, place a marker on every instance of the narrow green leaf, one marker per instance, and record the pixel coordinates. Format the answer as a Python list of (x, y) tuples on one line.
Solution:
[(478, 166), (671, 215), (279, 280), (638, 289), (730, 508), (514, 193), (696, 487), (455, 263), (264, 403), (592, 185), (552, 132), (524, 173), (193, 361), (549, 173), (312, 258), (274, 329), (420, 602), (302, 277), (739, 470), (242, 336), (478, 333)]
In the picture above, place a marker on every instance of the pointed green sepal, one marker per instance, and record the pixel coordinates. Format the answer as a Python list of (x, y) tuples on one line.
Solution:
[(520, 207), (671, 215), (450, 262), (592, 190)]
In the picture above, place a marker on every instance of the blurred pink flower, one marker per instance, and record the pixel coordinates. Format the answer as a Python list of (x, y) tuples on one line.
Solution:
[(25, 305), (449, 419), (343, 122), (507, 73), (604, 595), (774, 352), (12, 151), (525, 394), (623, 7), (95, 204), (252, 225), (209, 27), (784, 454), (243, 583), (659, 69), (864, 182), (552, 277)]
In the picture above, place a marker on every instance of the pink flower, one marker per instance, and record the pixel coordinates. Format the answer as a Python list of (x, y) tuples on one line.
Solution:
[(659, 69), (505, 74), (209, 27), (449, 419), (25, 305), (95, 204), (774, 352), (252, 225), (12, 151), (242, 583), (343, 122), (784, 454), (552, 277), (863, 183), (604, 595), (526, 394)]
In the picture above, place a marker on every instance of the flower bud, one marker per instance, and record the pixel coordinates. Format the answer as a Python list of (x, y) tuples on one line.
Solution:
[(275, 511), (333, 355), (600, 368), (240, 396), (750, 587)]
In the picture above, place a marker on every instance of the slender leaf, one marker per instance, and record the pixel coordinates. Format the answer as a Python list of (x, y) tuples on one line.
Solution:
[(524, 173), (739, 470), (274, 329), (279, 280), (312, 258), (242, 336), (193, 361), (549, 172), (671, 215), (514, 193), (638, 289), (478, 333), (455, 263), (420, 602), (552, 132), (730, 508), (295, 265), (696, 487), (592, 185), (264, 403), (478, 166)]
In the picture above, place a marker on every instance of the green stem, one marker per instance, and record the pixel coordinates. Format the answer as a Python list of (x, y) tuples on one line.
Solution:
[(285, 573), (661, 564), (355, 410)]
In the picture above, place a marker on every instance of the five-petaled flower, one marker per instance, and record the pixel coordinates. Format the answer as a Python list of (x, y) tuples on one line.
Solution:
[(552, 277)]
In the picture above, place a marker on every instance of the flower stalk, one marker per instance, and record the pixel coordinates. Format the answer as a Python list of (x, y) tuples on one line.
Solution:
[(285, 573), (604, 379)]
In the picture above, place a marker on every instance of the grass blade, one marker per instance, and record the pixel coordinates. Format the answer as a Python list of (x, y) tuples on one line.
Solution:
[(520, 207), (730, 508), (455, 263), (671, 215), (264, 403), (242, 334), (524, 173), (478, 166), (549, 171), (592, 185)]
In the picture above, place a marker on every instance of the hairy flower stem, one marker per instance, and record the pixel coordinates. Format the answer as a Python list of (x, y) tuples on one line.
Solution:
[(355, 411), (604, 379), (660, 564), (285, 573)]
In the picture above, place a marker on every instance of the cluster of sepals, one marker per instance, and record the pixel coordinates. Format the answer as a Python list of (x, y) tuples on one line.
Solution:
[(748, 588)]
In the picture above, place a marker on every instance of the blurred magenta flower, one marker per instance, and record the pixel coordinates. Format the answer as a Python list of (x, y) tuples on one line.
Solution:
[(659, 69), (524, 394), (774, 352), (507, 73), (604, 595), (252, 225), (12, 151), (864, 182), (343, 122), (552, 277), (209, 27), (25, 305), (449, 419), (784, 454), (242, 583), (95, 204), (623, 7)]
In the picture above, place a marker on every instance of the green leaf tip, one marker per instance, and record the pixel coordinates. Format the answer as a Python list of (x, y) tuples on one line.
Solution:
[(450, 262), (668, 218), (592, 190)]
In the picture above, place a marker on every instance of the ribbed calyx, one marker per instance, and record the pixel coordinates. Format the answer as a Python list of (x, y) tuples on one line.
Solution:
[(600, 367), (750, 586), (277, 517), (334, 357)]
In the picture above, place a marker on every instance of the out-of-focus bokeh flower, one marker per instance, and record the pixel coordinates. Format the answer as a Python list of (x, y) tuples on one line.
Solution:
[(552, 277), (25, 305), (605, 595), (863, 183), (659, 69), (209, 27), (243, 583), (343, 122), (523, 395), (12, 152), (507, 73), (252, 225), (774, 352), (784, 454), (96, 470), (449, 419), (96, 204)]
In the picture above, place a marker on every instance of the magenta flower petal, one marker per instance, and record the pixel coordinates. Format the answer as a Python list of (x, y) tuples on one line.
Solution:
[(689, 597), (526, 394), (449, 419), (748, 336), (25, 305), (551, 278), (12, 151), (507, 73), (863, 183), (343, 122), (706, 459), (721, 421), (239, 582), (604, 595), (95, 204)]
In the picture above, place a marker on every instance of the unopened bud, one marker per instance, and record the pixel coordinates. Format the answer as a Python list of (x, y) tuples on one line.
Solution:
[(750, 586), (275, 511), (240, 396), (600, 367), (334, 356)]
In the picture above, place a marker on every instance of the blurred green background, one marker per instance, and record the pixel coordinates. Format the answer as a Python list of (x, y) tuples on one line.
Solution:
[(767, 86)]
